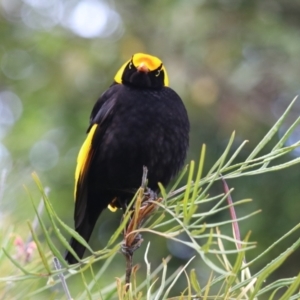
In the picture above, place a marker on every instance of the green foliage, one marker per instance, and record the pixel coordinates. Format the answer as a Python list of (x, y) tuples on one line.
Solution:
[(181, 211)]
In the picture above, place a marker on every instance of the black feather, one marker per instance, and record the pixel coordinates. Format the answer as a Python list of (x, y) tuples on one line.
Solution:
[(136, 127)]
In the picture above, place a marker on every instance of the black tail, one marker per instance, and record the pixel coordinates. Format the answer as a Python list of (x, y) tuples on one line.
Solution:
[(85, 230)]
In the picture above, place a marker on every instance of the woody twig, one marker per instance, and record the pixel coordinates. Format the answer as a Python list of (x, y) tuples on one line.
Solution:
[(144, 206)]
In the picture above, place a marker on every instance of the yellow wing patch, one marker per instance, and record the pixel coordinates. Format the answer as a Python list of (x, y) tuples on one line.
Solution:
[(83, 155), (112, 205)]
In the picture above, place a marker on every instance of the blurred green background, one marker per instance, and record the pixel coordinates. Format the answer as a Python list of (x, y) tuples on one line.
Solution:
[(235, 63)]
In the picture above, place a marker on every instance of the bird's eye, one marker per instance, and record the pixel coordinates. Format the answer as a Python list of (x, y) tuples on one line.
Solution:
[(158, 72), (130, 65)]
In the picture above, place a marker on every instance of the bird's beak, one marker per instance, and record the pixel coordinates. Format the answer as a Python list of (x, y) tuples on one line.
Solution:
[(143, 68)]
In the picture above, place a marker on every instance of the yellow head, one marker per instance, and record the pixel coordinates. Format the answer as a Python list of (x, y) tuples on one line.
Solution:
[(143, 70)]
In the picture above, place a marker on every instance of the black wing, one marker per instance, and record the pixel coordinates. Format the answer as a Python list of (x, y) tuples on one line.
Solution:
[(100, 118)]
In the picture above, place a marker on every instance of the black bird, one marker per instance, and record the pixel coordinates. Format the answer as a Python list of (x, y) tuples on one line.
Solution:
[(139, 121)]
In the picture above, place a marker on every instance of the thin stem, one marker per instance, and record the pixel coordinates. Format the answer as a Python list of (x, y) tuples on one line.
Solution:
[(128, 258), (61, 276)]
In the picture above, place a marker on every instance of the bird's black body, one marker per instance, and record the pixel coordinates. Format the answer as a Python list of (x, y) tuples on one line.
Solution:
[(136, 127)]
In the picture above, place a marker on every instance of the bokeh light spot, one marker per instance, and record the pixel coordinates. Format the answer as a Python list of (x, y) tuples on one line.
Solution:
[(42, 15), (43, 155), (16, 64), (5, 159), (11, 104), (11, 9), (40, 3), (204, 91), (90, 19), (10, 110)]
